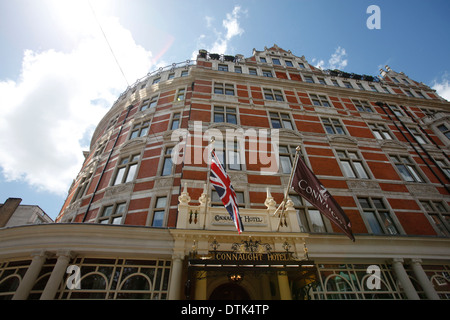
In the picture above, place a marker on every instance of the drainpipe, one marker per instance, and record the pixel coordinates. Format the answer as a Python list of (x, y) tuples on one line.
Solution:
[(429, 138), (106, 164), (380, 104)]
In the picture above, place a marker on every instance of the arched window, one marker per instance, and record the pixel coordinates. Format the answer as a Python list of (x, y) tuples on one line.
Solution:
[(136, 286)]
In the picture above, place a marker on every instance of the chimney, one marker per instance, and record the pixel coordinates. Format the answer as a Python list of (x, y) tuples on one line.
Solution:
[(7, 210)]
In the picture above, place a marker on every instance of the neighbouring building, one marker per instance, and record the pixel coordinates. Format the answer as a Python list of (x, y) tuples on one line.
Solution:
[(141, 220), (12, 213)]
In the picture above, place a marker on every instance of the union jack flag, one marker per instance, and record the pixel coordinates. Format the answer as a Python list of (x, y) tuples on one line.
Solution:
[(222, 183)]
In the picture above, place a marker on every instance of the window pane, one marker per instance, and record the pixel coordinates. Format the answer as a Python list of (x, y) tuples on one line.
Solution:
[(287, 124), (440, 225), (316, 221), (404, 172), (378, 204), (373, 222), (440, 207), (296, 199), (283, 149), (329, 129), (360, 169), (240, 198), (415, 174), (276, 123), (231, 118), (388, 223), (116, 220), (341, 154), (233, 160), (348, 169), (158, 218), (215, 196), (339, 130), (364, 203), (175, 124), (119, 176), (286, 165), (167, 169), (107, 211), (144, 132), (218, 117), (303, 222), (134, 134), (161, 202), (131, 173), (220, 156), (427, 206), (120, 208)]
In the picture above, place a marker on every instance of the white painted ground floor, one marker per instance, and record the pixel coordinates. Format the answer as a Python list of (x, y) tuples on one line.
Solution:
[(96, 261)]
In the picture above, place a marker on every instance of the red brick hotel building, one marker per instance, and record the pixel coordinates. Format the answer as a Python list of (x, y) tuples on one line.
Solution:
[(139, 223)]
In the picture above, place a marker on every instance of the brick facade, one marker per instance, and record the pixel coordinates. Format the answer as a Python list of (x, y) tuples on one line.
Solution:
[(326, 118)]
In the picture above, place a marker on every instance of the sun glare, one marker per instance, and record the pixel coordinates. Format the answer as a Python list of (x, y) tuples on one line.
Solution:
[(76, 17)]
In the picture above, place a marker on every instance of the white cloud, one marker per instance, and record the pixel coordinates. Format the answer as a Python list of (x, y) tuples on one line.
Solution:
[(443, 88), (209, 21), (231, 23), (337, 60), (58, 100), (221, 39)]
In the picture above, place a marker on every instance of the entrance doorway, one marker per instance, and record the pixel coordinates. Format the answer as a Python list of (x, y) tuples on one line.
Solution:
[(229, 291)]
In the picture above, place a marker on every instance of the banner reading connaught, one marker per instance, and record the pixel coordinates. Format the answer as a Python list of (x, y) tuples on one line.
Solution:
[(306, 184)]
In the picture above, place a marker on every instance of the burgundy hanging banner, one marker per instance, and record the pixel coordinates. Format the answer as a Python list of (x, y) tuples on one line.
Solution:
[(306, 184)]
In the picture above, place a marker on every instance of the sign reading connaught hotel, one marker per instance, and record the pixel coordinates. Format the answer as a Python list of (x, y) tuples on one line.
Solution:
[(147, 217)]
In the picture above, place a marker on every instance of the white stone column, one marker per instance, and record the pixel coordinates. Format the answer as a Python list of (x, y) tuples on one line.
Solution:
[(283, 284), (265, 287), (423, 279), (175, 278), (200, 285), (53, 283), (31, 275), (405, 282)]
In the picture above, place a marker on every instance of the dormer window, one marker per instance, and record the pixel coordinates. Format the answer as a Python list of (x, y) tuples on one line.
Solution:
[(276, 61)]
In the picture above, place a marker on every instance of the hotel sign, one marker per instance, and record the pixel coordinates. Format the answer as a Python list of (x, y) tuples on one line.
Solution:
[(248, 253), (250, 257), (225, 219)]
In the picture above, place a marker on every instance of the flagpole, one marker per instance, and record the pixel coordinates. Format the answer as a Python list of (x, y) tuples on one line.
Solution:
[(209, 172), (286, 193)]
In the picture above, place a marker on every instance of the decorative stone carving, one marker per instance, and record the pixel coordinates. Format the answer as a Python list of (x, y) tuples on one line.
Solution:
[(135, 143), (423, 190), (270, 202), (163, 183), (121, 188), (343, 140), (363, 185), (184, 198)]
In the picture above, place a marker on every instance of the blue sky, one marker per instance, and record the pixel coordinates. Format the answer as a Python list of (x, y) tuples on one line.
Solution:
[(58, 76)]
